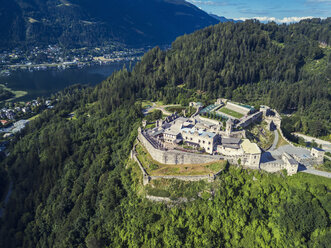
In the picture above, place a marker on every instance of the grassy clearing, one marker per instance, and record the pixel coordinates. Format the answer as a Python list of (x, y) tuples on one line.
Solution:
[(145, 104), (176, 188), (318, 65), (149, 126), (155, 168), (17, 93), (33, 117), (231, 112), (281, 140)]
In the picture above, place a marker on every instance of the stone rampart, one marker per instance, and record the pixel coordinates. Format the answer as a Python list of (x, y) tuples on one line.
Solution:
[(186, 178), (175, 157), (272, 167), (145, 174)]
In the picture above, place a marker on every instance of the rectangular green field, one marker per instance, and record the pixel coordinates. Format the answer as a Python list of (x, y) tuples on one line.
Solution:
[(231, 113)]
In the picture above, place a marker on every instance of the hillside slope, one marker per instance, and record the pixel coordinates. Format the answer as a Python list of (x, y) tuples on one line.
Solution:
[(284, 66), (87, 22)]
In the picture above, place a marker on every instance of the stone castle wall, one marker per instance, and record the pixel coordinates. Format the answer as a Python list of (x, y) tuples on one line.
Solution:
[(185, 178), (176, 157), (272, 167)]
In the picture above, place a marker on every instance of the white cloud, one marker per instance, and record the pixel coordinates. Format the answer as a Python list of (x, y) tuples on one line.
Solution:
[(318, 1), (211, 3), (283, 20)]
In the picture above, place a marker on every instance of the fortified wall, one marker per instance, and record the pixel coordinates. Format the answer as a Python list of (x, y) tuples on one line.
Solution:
[(175, 157)]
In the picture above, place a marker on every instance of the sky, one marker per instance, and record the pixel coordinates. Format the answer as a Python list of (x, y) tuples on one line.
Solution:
[(281, 11)]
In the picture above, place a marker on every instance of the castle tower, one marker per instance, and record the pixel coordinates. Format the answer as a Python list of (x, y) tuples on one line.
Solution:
[(229, 124)]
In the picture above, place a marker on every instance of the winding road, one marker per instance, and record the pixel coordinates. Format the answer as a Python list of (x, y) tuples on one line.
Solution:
[(274, 145)]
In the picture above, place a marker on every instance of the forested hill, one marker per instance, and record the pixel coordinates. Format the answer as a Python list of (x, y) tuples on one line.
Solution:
[(284, 66), (73, 23), (71, 187)]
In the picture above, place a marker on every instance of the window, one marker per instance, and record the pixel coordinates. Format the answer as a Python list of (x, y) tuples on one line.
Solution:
[(191, 138), (209, 143), (203, 141), (199, 141)]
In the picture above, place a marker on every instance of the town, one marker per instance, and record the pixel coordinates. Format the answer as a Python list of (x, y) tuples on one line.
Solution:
[(54, 56), (220, 132), (15, 116)]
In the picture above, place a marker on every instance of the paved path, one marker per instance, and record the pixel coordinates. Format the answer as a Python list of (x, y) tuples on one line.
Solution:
[(314, 172), (325, 144), (274, 145)]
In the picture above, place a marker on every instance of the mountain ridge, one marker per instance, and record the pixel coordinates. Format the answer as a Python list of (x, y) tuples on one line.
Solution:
[(87, 23)]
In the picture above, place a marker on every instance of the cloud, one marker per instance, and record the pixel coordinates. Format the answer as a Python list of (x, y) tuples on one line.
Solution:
[(274, 19), (318, 1), (212, 3), (204, 2)]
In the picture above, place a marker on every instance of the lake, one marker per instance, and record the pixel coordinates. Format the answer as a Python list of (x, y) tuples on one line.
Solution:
[(46, 82)]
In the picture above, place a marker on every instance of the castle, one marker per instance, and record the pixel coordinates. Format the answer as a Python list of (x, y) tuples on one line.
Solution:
[(197, 140), (198, 137)]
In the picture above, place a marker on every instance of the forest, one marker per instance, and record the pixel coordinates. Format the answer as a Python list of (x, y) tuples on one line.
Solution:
[(71, 187)]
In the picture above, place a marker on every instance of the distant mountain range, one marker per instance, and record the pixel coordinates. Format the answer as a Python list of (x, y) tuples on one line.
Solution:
[(93, 22), (224, 19)]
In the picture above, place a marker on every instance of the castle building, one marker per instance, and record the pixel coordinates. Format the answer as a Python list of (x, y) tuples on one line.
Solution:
[(318, 154), (200, 139), (252, 154), (291, 165)]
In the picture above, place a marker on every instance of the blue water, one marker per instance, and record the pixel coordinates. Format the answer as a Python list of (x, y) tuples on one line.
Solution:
[(46, 82)]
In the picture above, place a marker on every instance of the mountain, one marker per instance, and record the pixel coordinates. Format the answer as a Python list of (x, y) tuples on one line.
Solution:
[(93, 22), (224, 19)]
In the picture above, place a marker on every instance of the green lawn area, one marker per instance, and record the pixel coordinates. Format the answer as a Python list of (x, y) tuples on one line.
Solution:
[(149, 126), (174, 188), (145, 104), (231, 113), (34, 117), (155, 168)]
